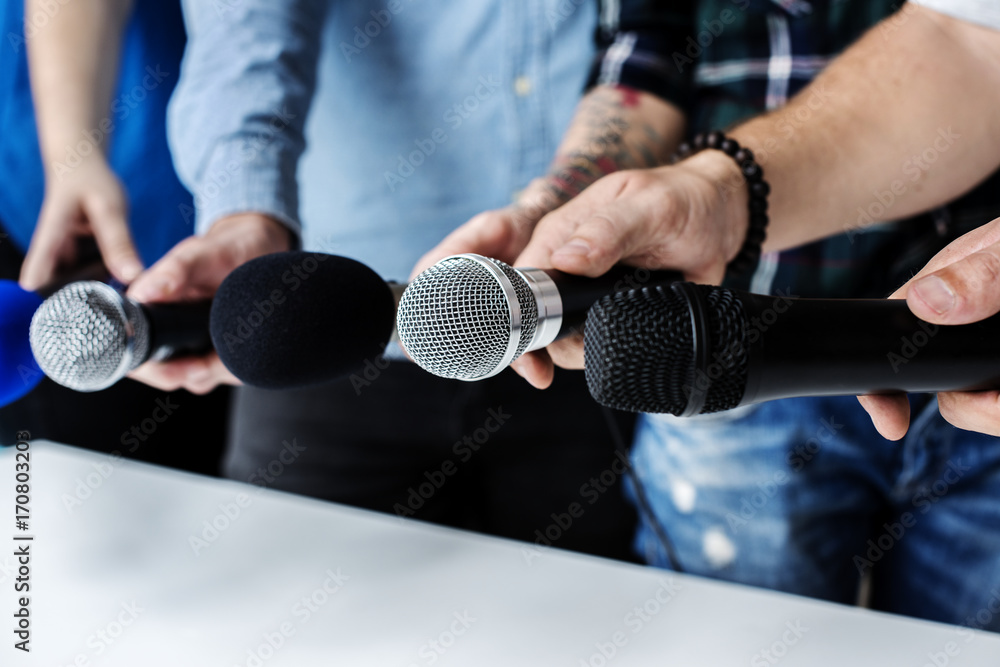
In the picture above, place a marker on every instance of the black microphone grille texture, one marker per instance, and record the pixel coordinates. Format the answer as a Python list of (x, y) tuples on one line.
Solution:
[(299, 318), (643, 353)]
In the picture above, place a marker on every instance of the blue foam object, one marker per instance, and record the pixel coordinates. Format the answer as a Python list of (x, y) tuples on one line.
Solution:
[(19, 372)]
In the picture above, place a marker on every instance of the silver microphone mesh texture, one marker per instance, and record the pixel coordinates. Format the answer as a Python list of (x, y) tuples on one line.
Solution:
[(455, 319), (87, 336)]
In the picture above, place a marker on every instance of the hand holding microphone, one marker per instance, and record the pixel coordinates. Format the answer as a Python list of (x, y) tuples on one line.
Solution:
[(468, 317)]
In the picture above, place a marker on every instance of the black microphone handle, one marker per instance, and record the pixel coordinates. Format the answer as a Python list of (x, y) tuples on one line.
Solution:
[(579, 293), (177, 329), (831, 347)]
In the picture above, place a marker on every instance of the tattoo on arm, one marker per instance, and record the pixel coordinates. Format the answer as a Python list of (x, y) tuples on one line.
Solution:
[(615, 138)]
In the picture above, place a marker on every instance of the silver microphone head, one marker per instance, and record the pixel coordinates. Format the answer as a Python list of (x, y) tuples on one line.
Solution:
[(468, 316), (87, 336)]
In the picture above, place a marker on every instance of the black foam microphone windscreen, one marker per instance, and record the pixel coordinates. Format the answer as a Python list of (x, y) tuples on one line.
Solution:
[(299, 318), (688, 349)]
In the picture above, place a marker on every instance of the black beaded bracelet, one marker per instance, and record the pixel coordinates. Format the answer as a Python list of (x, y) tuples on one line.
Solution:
[(757, 190)]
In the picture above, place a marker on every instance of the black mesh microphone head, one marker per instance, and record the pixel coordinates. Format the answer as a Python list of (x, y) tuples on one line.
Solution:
[(642, 350), (298, 318)]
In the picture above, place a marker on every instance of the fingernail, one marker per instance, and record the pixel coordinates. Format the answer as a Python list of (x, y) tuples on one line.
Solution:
[(575, 248), (935, 293)]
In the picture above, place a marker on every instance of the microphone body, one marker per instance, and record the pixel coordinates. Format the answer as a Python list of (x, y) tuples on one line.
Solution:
[(468, 316), (695, 349), (88, 335)]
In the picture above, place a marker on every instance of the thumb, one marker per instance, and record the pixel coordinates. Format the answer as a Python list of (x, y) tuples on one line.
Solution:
[(109, 224), (589, 245), (965, 291)]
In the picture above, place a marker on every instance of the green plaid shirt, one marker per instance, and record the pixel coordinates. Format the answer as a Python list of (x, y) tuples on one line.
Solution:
[(723, 61)]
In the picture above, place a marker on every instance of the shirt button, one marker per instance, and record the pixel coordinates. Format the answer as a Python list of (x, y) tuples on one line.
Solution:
[(522, 85)]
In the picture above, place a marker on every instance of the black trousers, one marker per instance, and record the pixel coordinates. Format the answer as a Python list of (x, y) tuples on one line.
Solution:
[(176, 429), (495, 456)]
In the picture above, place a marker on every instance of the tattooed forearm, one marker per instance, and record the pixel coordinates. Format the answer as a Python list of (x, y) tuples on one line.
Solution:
[(614, 129)]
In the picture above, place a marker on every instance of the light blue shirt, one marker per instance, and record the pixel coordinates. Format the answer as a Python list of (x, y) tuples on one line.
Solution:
[(423, 113)]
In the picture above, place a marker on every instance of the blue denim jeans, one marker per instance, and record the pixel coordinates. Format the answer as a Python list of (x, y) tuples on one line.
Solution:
[(804, 496)]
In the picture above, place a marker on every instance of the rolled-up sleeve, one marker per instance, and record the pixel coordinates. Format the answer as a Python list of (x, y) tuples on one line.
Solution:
[(637, 43), (237, 117)]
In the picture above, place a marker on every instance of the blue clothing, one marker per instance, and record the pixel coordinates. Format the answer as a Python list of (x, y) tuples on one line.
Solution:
[(420, 118), (802, 495), (161, 212)]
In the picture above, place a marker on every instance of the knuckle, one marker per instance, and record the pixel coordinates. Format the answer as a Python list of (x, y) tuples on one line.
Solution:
[(984, 270)]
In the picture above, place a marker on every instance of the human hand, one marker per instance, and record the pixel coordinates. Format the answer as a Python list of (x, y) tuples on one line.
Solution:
[(678, 217), (192, 271), (501, 233), (960, 285), (87, 201)]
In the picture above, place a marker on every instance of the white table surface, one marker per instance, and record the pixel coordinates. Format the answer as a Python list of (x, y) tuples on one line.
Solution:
[(124, 555)]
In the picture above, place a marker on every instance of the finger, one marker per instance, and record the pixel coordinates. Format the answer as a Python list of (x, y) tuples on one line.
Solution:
[(490, 234), (977, 411), (967, 290), (568, 352), (189, 271), (535, 367), (109, 222), (574, 239), (199, 375), (47, 248), (890, 414)]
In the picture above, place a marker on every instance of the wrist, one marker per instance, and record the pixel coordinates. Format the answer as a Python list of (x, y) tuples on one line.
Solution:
[(270, 231), (730, 189)]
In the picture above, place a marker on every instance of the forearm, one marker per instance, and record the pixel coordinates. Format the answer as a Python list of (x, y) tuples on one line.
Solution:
[(903, 121), (73, 64), (614, 128), (236, 121)]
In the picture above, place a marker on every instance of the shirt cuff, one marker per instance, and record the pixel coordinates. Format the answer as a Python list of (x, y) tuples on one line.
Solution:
[(638, 60), (255, 175)]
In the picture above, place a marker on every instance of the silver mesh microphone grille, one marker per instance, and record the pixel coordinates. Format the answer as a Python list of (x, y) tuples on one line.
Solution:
[(87, 336), (460, 319)]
